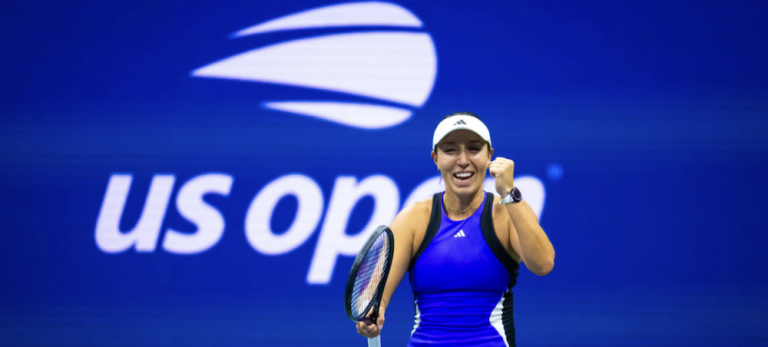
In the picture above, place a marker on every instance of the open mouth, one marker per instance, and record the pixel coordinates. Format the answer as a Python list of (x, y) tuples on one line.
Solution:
[(463, 176)]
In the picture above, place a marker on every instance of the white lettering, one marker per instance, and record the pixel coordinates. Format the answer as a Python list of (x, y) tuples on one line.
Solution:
[(209, 221), (333, 241), (258, 219), (144, 235)]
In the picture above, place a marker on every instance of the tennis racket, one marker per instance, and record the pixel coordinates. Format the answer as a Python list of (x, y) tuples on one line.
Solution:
[(366, 281)]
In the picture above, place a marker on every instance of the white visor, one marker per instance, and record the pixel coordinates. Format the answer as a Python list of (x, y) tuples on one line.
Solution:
[(458, 123)]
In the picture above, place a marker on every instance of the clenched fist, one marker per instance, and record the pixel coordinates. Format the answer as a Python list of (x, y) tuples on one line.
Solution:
[(503, 170)]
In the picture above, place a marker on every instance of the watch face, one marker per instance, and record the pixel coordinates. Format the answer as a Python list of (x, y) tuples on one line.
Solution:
[(516, 194)]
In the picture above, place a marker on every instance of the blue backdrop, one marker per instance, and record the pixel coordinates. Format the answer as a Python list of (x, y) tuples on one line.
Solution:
[(168, 178)]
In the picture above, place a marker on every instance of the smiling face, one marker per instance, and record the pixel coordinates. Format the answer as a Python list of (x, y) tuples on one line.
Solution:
[(462, 157)]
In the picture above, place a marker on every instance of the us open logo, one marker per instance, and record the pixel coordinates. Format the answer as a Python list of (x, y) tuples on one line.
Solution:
[(396, 67), (392, 72)]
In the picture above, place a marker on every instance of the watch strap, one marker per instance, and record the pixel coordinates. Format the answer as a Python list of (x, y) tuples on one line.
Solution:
[(510, 197)]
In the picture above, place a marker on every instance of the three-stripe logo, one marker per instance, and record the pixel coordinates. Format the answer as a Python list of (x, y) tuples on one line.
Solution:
[(460, 234)]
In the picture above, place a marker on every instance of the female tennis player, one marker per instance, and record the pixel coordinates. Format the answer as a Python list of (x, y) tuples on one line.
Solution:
[(463, 247)]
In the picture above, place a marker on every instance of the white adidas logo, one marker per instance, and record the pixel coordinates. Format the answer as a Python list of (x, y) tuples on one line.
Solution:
[(460, 234)]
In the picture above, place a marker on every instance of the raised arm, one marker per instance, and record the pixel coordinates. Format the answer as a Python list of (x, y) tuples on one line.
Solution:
[(531, 243), (526, 235)]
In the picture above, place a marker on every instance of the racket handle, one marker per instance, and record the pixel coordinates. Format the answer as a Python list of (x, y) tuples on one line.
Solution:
[(375, 314), (374, 341)]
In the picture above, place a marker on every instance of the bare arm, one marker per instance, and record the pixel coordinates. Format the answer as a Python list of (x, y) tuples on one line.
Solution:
[(403, 229), (525, 234), (533, 245)]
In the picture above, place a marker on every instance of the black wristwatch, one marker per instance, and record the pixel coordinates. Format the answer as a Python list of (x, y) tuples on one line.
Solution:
[(514, 197)]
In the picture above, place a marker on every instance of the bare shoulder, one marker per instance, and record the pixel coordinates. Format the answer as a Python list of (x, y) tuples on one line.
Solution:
[(411, 223), (413, 216), (422, 208)]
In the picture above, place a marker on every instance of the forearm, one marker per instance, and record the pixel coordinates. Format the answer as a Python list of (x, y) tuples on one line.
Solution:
[(393, 281), (403, 237), (536, 249)]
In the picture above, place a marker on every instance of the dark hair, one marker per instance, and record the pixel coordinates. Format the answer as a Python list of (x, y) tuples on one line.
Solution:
[(464, 113)]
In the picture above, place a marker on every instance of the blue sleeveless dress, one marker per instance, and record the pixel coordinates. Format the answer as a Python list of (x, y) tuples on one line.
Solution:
[(462, 280)]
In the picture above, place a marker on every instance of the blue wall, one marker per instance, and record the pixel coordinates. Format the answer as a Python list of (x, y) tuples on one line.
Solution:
[(645, 123)]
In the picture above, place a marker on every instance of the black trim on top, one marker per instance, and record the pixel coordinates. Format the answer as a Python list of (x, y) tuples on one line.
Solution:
[(489, 233), (507, 319), (434, 225)]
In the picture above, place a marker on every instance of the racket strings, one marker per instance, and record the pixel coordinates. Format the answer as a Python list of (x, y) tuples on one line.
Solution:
[(370, 275)]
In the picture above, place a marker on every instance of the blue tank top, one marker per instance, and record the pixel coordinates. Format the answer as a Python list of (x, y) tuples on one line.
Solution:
[(462, 279)]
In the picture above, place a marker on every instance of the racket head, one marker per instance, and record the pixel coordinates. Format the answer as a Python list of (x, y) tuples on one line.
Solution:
[(368, 276)]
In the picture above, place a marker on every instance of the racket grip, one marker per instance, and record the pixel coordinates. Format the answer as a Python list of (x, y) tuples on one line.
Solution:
[(375, 314), (374, 341)]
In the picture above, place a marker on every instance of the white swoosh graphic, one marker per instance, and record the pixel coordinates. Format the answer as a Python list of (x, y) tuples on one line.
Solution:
[(372, 13), (394, 66), (356, 115)]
